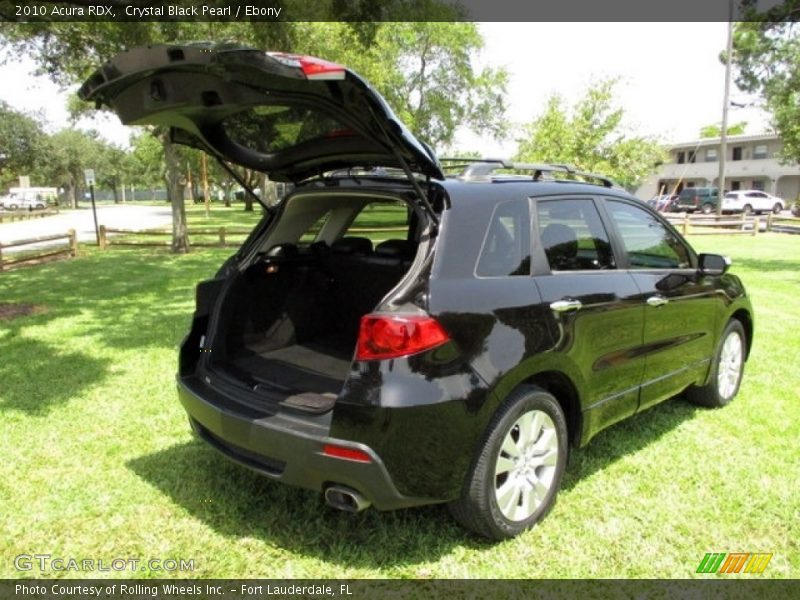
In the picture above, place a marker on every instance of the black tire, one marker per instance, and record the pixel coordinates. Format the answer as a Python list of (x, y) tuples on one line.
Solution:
[(777, 208), (706, 209), (717, 393), (477, 509), (747, 210), (13, 207)]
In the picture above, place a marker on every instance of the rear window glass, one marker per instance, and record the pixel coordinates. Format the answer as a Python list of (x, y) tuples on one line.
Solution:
[(506, 245), (268, 129)]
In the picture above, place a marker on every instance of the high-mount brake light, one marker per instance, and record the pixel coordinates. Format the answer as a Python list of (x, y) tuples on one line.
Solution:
[(390, 336), (313, 68)]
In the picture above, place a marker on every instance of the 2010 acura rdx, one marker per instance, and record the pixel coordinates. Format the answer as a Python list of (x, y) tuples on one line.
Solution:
[(514, 312)]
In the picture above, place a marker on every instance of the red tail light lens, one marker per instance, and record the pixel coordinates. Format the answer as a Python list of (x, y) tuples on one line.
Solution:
[(346, 453), (390, 336)]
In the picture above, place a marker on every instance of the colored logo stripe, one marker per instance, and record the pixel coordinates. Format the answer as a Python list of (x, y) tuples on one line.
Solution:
[(734, 563)]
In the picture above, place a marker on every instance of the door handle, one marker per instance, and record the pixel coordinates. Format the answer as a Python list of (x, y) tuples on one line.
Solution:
[(566, 305), (657, 300)]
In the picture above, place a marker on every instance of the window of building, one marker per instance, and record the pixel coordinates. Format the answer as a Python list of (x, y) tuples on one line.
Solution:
[(711, 155), (736, 185), (681, 158), (573, 235), (506, 246), (758, 184), (737, 153), (692, 156), (760, 151)]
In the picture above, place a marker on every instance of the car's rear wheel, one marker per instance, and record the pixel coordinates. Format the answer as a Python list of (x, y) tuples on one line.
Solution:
[(706, 209), (747, 210), (516, 475), (13, 207), (726, 374), (777, 208)]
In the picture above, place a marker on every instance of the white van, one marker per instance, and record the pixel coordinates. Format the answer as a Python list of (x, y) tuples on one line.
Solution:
[(29, 198)]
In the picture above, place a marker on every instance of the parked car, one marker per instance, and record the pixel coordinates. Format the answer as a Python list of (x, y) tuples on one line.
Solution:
[(663, 203), (752, 201), (24, 199), (703, 199), (458, 362)]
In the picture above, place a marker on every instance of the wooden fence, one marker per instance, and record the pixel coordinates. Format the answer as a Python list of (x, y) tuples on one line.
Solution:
[(122, 237), (36, 256), (716, 225), (22, 215)]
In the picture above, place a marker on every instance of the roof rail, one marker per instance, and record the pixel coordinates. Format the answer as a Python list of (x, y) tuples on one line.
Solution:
[(483, 168)]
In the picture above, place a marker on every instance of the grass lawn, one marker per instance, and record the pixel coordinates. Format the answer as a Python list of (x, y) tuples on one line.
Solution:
[(98, 461)]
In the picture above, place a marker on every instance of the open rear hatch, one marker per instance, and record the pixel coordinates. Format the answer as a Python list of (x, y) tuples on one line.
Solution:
[(290, 116)]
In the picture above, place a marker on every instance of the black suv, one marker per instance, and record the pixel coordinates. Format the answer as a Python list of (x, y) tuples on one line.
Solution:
[(704, 199), (496, 319)]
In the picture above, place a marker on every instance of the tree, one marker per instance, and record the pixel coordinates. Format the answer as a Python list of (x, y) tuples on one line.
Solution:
[(70, 153), (766, 51), (424, 70), (714, 130), (22, 143), (590, 136)]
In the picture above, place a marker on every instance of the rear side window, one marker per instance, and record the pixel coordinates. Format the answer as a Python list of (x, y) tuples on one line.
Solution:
[(573, 236), (381, 221), (506, 249), (649, 244)]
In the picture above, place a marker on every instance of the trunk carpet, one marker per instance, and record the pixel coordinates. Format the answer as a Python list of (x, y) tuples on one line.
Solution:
[(313, 367)]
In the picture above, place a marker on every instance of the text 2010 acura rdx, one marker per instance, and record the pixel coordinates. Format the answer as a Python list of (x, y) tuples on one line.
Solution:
[(512, 312)]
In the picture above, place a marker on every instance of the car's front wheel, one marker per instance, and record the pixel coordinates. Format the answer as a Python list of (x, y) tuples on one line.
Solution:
[(515, 477), (726, 374), (747, 210), (777, 208), (706, 209)]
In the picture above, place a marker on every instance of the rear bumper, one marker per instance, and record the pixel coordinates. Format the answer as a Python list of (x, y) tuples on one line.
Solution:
[(286, 447)]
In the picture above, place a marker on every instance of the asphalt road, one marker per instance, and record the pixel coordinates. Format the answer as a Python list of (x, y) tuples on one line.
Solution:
[(124, 216)]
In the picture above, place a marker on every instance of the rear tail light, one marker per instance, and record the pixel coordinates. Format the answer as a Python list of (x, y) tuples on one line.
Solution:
[(346, 453), (390, 336)]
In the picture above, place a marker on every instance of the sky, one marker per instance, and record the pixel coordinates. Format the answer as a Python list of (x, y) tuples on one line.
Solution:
[(671, 79)]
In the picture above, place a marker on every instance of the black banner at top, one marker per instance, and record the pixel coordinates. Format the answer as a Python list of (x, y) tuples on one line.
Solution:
[(399, 10)]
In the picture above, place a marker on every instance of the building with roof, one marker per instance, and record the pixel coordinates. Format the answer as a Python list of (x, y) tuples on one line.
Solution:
[(751, 163)]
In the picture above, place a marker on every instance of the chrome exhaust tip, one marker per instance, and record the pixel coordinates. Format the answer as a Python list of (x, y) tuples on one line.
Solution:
[(344, 498)]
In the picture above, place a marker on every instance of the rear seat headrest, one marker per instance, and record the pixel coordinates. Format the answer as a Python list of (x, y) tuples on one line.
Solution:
[(284, 250), (352, 245), (396, 248)]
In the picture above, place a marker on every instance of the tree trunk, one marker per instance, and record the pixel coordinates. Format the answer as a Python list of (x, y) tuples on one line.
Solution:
[(175, 189), (115, 191)]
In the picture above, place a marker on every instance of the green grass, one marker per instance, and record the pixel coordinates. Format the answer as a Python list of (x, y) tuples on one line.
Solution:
[(98, 461)]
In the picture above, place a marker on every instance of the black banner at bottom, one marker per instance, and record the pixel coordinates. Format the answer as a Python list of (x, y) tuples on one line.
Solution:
[(358, 589)]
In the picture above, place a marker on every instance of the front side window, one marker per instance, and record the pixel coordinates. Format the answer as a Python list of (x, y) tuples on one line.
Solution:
[(506, 249), (649, 244), (573, 236)]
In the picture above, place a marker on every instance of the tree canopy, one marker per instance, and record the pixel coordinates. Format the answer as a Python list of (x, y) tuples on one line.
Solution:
[(22, 143), (766, 51), (591, 136)]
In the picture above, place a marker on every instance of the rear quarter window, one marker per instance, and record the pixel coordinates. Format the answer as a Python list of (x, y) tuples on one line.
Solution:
[(506, 244)]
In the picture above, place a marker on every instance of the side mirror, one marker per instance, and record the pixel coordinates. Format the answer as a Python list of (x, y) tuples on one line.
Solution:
[(713, 264)]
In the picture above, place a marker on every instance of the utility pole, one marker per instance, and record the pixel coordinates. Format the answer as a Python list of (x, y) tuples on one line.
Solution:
[(723, 145)]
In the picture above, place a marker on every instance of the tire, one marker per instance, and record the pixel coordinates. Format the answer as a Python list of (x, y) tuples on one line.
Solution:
[(504, 495), (747, 210), (13, 207), (706, 209), (777, 208), (726, 372)]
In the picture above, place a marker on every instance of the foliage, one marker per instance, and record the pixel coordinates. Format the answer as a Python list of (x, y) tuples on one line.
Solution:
[(766, 50), (22, 143), (590, 136), (714, 130), (424, 70)]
